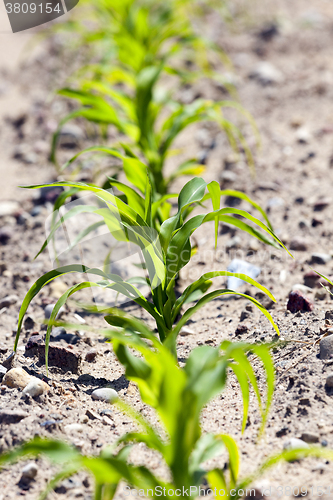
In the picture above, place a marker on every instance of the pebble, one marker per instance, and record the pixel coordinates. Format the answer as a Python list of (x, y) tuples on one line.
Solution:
[(299, 245), (48, 311), (8, 301), (16, 378), (185, 330), (303, 135), (74, 428), (326, 347), (329, 314), (241, 329), (297, 302), (6, 233), (34, 388), (321, 294), (105, 394), (329, 380), (234, 242), (30, 471), (242, 267), (59, 333), (84, 419), (310, 437), (92, 415), (8, 208), (12, 416), (310, 279), (320, 258), (267, 74), (301, 288), (320, 205), (294, 444), (91, 355)]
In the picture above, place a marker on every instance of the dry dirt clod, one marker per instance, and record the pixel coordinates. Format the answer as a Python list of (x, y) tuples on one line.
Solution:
[(91, 355), (12, 416), (297, 302), (329, 380)]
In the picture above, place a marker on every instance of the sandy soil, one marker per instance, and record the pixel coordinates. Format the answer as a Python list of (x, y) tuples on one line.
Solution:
[(293, 174)]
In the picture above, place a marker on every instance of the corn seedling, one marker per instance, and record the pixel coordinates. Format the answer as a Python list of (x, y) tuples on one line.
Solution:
[(165, 247), (149, 119), (178, 396)]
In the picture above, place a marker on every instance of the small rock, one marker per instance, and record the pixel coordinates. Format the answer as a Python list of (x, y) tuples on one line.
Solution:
[(303, 135), (310, 437), (49, 194), (294, 444), (321, 294), (3, 371), (9, 208), (301, 288), (241, 329), (92, 415), (84, 419), (8, 301), (320, 205), (267, 74), (297, 302), (48, 311), (234, 242), (59, 333), (310, 279), (228, 177), (16, 378), (29, 323), (299, 245), (34, 388), (185, 330), (91, 355), (30, 471), (241, 267), (326, 347), (6, 233), (105, 394), (74, 428), (244, 315), (329, 314), (329, 380), (70, 136), (12, 416), (320, 258)]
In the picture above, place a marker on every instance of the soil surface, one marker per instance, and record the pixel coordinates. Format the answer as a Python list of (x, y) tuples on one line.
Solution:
[(291, 102)]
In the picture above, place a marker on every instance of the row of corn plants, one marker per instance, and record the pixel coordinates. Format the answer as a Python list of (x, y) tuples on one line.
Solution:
[(150, 42), (146, 42)]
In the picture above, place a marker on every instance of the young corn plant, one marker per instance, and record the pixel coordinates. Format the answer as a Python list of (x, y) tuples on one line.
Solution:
[(178, 395), (166, 248), (149, 119), (136, 33)]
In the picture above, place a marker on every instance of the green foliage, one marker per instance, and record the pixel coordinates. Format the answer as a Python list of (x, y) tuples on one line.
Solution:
[(165, 246), (149, 40), (149, 119), (178, 395)]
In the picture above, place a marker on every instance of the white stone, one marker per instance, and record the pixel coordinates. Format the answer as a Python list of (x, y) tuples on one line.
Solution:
[(295, 444), (34, 388), (106, 394), (30, 470), (74, 428)]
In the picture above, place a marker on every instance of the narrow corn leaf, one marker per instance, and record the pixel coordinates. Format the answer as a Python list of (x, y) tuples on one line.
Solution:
[(243, 383)]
